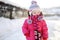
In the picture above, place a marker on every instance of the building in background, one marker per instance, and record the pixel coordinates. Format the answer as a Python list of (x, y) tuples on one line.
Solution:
[(11, 11)]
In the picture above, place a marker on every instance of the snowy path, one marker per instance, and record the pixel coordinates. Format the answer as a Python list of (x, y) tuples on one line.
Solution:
[(11, 29)]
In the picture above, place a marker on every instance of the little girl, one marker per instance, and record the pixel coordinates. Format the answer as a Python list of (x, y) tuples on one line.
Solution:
[(35, 27)]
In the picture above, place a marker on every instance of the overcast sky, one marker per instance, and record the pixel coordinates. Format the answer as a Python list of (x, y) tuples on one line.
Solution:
[(41, 3)]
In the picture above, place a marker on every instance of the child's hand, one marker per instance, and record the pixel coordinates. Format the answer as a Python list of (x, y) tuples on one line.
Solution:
[(27, 35), (44, 38)]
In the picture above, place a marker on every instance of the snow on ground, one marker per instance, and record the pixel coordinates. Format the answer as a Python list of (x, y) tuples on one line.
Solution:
[(12, 29), (53, 29)]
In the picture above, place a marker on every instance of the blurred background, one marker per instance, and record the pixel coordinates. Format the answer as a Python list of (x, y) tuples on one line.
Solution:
[(14, 12)]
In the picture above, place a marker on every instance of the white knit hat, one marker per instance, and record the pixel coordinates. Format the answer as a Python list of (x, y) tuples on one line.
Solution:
[(33, 5)]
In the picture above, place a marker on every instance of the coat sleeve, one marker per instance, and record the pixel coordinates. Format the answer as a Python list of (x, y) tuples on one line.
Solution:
[(25, 27), (45, 30)]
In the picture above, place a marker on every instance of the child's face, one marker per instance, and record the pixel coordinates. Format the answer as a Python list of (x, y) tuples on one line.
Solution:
[(36, 12)]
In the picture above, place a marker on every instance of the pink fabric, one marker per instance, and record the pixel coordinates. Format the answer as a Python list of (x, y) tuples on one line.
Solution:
[(29, 28)]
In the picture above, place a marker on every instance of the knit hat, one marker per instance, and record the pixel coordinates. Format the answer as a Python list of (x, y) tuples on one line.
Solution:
[(33, 5)]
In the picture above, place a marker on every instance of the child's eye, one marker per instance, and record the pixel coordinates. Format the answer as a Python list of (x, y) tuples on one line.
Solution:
[(34, 13), (38, 12)]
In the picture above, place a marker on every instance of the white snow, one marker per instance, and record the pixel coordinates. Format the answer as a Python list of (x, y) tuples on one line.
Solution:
[(12, 29)]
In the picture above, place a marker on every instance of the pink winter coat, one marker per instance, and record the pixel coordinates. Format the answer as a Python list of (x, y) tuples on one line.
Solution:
[(28, 28)]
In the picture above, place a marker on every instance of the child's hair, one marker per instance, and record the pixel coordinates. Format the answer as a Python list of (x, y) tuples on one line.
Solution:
[(41, 14), (28, 13)]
